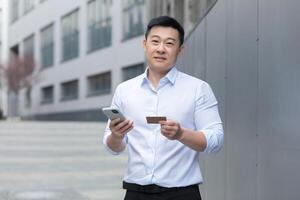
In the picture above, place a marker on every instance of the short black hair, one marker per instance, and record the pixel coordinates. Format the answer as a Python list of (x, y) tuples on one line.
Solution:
[(166, 21)]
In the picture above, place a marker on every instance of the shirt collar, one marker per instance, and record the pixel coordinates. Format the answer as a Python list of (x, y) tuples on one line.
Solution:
[(170, 76)]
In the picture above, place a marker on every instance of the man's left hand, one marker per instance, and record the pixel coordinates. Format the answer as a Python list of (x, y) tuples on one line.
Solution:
[(171, 129)]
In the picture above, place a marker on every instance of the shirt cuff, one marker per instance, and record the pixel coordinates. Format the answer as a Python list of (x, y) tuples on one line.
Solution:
[(109, 149), (213, 142)]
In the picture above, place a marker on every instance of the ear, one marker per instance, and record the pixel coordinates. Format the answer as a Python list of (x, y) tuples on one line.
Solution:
[(144, 44), (180, 50)]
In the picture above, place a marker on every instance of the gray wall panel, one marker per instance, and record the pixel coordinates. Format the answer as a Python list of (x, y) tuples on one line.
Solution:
[(241, 104), (249, 53), (214, 166), (279, 70), (193, 58)]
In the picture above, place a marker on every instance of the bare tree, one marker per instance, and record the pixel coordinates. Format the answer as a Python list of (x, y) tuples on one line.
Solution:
[(19, 73)]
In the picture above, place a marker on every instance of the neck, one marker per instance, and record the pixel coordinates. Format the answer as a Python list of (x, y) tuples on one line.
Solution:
[(154, 77)]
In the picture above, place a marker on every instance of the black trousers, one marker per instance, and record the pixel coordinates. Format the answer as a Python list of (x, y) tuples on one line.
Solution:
[(154, 192)]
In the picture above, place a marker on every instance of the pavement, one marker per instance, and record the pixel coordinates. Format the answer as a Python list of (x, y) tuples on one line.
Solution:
[(58, 161)]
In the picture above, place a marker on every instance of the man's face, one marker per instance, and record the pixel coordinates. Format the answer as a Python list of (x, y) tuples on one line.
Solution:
[(162, 47)]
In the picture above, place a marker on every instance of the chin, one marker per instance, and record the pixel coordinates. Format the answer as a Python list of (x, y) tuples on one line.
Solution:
[(161, 68)]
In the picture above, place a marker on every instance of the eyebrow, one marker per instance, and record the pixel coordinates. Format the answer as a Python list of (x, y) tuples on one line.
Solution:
[(169, 38)]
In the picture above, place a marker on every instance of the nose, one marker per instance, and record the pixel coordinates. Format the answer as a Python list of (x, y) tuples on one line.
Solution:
[(161, 48)]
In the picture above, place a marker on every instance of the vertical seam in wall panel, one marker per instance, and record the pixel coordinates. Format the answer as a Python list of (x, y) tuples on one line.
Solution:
[(226, 96), (205, 49), (257, 99)]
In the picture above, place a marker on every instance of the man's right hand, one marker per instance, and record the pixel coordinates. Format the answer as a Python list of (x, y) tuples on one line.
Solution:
[(118, 131), (120, 128)]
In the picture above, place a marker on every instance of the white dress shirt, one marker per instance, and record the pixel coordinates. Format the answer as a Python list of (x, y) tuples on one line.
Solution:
[(152, 158)]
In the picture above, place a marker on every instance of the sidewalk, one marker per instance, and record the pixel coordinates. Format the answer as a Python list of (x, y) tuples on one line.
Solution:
[(57, 160)]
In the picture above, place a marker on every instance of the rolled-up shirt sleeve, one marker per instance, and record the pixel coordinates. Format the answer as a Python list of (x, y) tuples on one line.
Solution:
[(207, 119), (116, 103)]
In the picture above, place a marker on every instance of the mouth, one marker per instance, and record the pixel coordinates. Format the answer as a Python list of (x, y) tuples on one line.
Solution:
[(160, 58)]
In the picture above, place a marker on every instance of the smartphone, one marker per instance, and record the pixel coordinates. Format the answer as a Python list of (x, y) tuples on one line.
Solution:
[(113, 113)]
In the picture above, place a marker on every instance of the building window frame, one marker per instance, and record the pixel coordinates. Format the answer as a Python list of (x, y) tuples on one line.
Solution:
[(99, 84), (29, 51), (70, 36), (28, 5), (28, 99), (14, 11), (69, 90), (132, 71), (99, 22), (133, 10), (47, 46), (47, 95)]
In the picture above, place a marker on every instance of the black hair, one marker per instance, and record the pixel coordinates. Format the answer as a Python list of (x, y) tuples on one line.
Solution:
[(166, 21)]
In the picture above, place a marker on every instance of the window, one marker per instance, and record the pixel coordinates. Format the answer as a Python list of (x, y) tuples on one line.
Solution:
[(28, 5), (29, 52), (133, 18), (1, 22), (14, 10), (99, 24), (28, 98), (132, 71), (0, 60), (47, 47), (69, 90), (99, 84), (197, 10), (70, 36), (47, 95)]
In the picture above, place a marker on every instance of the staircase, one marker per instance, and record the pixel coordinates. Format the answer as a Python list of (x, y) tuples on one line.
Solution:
[(58, 160)]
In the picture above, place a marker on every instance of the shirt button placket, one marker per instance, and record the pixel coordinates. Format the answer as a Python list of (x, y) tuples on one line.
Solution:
[(155, 132)]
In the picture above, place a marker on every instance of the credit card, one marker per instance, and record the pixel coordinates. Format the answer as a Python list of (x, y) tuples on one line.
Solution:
[(155, 119)]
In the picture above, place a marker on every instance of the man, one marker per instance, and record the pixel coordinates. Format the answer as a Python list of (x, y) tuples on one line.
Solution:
[(163, 158)]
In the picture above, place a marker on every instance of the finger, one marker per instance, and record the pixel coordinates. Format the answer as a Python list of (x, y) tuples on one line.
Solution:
[(122, 124), (162, 122), (167, 134), (129, 129), (114, 122), (126, 127), (168, 123), (166, 131), (168, 128)]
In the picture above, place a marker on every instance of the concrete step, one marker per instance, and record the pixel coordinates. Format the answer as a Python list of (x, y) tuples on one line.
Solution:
[(58, 160)]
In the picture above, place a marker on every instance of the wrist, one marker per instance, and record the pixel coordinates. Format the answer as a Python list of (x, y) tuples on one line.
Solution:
[(116, 137), (181, 134)]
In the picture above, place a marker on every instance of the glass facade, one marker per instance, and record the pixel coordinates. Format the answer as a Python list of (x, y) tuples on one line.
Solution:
[(133, 18), (69, 90), (70, 36), (47, 95), (132, 71), (47, 46), (99, 84), (29, 52), (99, 24), (28, 5), (28, 97), (14, 10)]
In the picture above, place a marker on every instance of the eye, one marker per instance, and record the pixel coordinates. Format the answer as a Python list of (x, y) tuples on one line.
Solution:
[(155, 41), (170, 43)]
